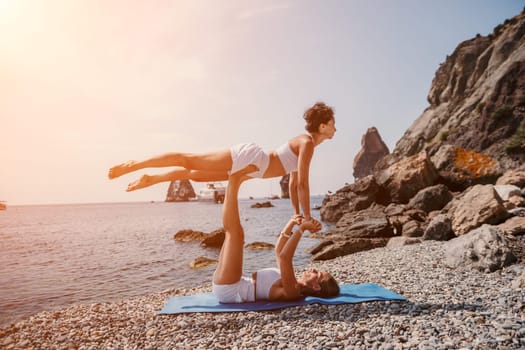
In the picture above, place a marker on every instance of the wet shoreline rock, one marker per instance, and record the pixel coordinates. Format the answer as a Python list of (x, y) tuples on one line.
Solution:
[(202, 261), (347, 246), (259, 246), (266, 204), (213, 239)]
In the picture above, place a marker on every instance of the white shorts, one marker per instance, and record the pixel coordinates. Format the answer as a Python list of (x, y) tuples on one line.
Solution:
[(239, 292), (245, 154)]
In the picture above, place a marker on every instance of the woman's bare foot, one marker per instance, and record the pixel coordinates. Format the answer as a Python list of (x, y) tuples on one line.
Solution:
[(144, 181), (121, 169)]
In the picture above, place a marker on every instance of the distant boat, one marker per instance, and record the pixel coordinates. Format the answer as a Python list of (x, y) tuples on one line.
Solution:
[(214, 192), (180, 191), (3, 206)]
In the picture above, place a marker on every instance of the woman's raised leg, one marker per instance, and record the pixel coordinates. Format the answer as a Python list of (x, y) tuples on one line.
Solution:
[(213, 161), (179, 174), (229, 268)]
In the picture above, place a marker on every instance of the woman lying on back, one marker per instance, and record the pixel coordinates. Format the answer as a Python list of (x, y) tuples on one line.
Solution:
[(274, 284)]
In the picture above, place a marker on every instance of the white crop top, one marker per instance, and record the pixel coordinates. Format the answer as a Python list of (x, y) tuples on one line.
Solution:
[(265, 280), (287, 157)]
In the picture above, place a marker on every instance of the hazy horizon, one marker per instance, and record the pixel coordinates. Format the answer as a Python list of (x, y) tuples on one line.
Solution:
[(87, 85)]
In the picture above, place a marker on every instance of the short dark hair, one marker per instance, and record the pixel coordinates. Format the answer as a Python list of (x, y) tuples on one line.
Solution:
[(319, 113), (329, 288)]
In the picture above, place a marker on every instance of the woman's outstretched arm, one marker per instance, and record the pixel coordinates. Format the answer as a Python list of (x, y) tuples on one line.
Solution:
[(285, 251), (306, 152), (294, 197), (281, 240)]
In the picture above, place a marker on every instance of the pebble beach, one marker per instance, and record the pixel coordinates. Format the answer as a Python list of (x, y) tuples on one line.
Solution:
[(445, 309)]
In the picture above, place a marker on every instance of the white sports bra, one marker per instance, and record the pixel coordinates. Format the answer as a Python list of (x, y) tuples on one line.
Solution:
[(265, 280), (287, 157)]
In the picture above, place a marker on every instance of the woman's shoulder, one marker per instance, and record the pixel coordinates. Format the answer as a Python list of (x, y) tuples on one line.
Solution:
[(278, 293), (301, 140)]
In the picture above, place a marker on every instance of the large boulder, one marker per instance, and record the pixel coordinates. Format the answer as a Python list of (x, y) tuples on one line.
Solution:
[(431, 198), (368, 223), (348, 246), (507, 191), (202, 261), (401, 241), (403, 179), (514, 226), (405, 220), (460, 168), (477, 206), (512, 177), (215, 239), (439, 229), (266, 204), (189, 235), (485, 249), (354, 197), (373, 148), (259, 246), (413, 228)]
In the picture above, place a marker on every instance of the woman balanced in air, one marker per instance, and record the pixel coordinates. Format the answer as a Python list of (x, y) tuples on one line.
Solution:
[(273, 284), (292, 158)]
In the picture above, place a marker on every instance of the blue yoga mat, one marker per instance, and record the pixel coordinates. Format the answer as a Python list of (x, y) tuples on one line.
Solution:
[(206, 302)]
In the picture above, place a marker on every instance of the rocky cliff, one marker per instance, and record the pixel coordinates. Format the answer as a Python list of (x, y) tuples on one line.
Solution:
[(477, 100), (458, 173)]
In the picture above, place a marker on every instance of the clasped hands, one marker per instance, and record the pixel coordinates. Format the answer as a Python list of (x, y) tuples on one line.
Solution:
[(309, 224)]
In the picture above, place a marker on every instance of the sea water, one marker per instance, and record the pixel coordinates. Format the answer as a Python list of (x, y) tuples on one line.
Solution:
[(54, 256)]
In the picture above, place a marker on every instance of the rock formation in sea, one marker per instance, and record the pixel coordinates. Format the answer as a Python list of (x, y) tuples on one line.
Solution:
[(266, 204), (259, 246), (457, 174), (202, 261), (373, 149), (180, 191), (285, 182), (213, 239)]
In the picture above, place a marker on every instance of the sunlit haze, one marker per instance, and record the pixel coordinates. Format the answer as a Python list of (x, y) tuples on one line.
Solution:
[(85, 85)]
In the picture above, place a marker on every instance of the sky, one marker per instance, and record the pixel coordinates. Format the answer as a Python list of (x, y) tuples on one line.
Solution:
[(85, 85)]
